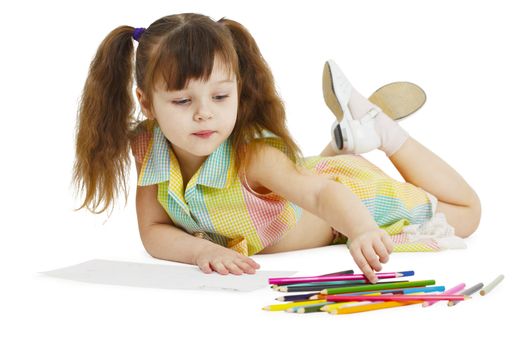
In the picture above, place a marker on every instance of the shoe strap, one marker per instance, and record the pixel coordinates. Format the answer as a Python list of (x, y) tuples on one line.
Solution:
[(371, 114)]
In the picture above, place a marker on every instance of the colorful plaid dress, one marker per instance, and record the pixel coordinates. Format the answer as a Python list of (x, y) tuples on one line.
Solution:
[(218, 204)]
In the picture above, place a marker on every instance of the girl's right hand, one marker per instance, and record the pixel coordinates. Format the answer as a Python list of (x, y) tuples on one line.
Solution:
[(369, 250), (224, 261)]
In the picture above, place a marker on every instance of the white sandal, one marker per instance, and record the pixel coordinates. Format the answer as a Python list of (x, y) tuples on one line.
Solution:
[(349, 134)]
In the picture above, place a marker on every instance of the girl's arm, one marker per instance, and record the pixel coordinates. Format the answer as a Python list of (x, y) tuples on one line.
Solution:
[(163, 240), (329, 200)]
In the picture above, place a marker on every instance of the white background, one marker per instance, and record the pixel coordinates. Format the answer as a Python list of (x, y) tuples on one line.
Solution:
[(466, 55)]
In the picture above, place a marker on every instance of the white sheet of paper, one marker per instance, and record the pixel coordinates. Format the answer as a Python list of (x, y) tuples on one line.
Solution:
[(162, 276)]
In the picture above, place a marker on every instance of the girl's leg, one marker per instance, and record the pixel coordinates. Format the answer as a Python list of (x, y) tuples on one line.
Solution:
[(416, 164), (328, 151), (456, 199), (422, 168)]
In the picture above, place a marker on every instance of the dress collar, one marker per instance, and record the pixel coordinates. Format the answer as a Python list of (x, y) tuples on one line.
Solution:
[(161, 165)]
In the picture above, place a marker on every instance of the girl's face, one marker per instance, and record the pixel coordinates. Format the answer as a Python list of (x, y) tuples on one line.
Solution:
[(198, 119)]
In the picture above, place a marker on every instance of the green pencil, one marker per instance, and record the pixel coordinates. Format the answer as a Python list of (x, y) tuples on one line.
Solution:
[(312, 287), (369, 287), (309, 308)]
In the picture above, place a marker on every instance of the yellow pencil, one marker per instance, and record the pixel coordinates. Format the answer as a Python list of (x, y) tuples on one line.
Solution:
[(282, 307), (372, 306), (334, 306)]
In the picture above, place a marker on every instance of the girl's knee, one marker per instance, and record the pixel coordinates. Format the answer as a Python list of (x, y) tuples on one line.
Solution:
[(471, 220), (464, 219)]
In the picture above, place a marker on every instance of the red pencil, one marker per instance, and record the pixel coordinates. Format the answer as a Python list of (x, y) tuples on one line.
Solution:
[(426, 297)]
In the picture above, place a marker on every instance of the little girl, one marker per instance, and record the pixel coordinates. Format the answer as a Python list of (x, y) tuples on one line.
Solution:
[(219, 176)]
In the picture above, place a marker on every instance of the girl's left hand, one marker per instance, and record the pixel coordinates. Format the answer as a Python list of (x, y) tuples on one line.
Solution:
[(370, 249)]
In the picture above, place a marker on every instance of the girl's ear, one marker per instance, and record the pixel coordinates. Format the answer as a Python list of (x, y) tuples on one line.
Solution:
[(142, 100)]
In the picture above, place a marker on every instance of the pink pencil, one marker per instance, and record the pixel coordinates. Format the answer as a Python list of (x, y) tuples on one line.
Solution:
[(358, 277), (395, 297), (452, 290)]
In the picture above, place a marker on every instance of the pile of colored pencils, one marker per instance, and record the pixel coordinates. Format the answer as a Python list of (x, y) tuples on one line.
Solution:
[(344, 292)]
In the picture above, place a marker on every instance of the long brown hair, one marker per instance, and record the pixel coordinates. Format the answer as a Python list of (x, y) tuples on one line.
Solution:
[(174, 50)]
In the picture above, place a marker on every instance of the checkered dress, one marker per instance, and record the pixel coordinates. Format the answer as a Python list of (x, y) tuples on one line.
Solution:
[(219, 205)]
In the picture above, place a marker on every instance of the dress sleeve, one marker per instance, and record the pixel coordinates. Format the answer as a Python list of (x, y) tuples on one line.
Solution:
[(141, 139), (273, 140)]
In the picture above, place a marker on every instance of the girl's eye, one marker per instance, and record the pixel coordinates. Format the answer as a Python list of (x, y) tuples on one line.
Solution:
[(221, 97), (181, 102)]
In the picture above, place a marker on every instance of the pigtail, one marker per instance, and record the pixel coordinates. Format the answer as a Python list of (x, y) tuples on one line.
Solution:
[(260, 106), (104, 121)]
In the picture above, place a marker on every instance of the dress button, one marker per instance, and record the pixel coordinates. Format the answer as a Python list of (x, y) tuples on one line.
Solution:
[(199, 234)]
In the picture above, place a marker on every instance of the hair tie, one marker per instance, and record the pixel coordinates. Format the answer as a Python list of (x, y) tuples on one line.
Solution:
[(137, 33)]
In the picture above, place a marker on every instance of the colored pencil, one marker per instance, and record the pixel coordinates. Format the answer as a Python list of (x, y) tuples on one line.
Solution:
[(372, 306), (322, 304), (468, 291), (309, 287), (396, 297), (338, 273), (307, 296), (433, 289), (370, 287), (296, 297), (282, 307), (393, 291), (293, 280), (284, 287), (452, 290), (308, 308), (491, 285), (403, 291)]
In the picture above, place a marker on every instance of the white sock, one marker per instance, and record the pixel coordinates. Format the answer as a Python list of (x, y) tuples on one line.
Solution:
[(392, 135)]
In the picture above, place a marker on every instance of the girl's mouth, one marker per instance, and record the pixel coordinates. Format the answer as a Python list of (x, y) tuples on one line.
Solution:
[(204, 134)]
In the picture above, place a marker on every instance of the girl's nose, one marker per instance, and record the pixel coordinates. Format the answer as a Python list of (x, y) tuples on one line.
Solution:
[(202, 112), (202, 116)]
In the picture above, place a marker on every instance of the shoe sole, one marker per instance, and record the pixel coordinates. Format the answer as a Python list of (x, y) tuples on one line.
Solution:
[(329, 94), (399, 100)]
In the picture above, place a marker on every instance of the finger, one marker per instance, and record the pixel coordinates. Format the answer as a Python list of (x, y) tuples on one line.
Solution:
[(233, 268), (387, 241), (219, 267), (371, 257), (205, 267), (253, 263), (245, 266), (381, 251), (363, 265)]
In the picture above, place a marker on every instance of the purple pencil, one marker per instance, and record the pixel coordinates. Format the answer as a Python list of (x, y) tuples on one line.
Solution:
[(290, 280)]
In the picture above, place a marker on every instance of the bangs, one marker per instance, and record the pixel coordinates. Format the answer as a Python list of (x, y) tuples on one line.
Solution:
[(189, 54)]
